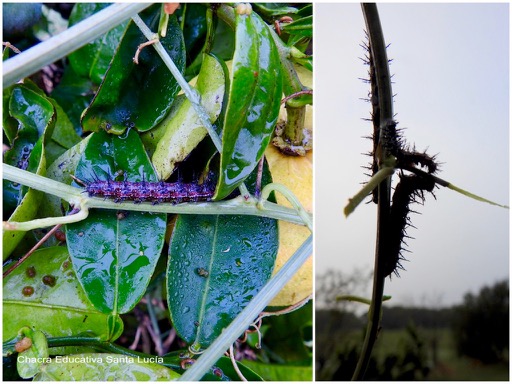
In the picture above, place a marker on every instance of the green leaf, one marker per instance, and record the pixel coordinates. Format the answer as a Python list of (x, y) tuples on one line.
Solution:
[(183, 128), (36, 117), (132, 95), (103, 367), (64, 133), (31, 109), (254, 102), (194, 33), (302, 27), (224, 41), (10, 124), (289, 336), (93, 59), (44, 293), (73, 94), (271, 10), (28, 204), (226, 366), (279, 372), (61, 170), (306, 62), (217, 264), (114, 253)]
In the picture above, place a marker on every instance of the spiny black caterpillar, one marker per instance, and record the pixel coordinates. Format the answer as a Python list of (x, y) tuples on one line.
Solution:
[(391, 138), (410, 188), (373, 99)]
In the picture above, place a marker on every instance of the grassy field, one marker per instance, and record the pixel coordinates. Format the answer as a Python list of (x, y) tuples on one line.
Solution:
[(442, 357)]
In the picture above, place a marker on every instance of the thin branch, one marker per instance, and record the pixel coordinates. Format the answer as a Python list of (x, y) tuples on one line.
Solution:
[(378, 51), (235, 365), (267, 190), (236, 206), (451, 186), (32, 250)]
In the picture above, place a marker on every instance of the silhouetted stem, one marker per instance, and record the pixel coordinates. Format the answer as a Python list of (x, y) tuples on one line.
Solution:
[(378, 51)]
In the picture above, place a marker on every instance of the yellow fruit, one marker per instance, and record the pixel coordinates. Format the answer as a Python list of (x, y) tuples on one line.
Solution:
[(296, 173)]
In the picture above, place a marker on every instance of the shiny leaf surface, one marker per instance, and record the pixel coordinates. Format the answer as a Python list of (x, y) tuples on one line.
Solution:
[(114, 253), (137, 96), (216, 266), (36, 118), (254, 102), (43, 293), (183, 128), (93, 59)]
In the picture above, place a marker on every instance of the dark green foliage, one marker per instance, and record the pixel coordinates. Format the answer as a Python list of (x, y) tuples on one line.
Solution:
[(18, 19), (481, 325), (409, 362), (399, 317)]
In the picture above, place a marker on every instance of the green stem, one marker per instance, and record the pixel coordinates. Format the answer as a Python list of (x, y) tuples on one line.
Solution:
[(59, 46), (236, 206), (267, 190), (449, 185), (46, 222), (294, 127), (374, 182)]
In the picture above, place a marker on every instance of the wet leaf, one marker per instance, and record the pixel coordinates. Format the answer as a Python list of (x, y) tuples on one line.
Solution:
[(271, 10), (194, 34), (302, 27), (137, 96), (93, 59), (114, 253), (36, 119), (43, 293), (183, 128), (217, 264), (254, 100)]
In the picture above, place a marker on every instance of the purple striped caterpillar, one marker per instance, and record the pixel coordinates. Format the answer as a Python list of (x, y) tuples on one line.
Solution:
[(155, 192)]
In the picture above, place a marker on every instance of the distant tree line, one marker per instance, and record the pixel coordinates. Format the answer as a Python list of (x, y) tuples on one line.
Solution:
[(479, 325)]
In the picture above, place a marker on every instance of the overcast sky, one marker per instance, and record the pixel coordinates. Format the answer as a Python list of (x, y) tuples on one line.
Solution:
[(451, 80)]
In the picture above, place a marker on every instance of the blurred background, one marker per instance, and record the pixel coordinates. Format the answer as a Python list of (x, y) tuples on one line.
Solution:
[(448, 315)]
